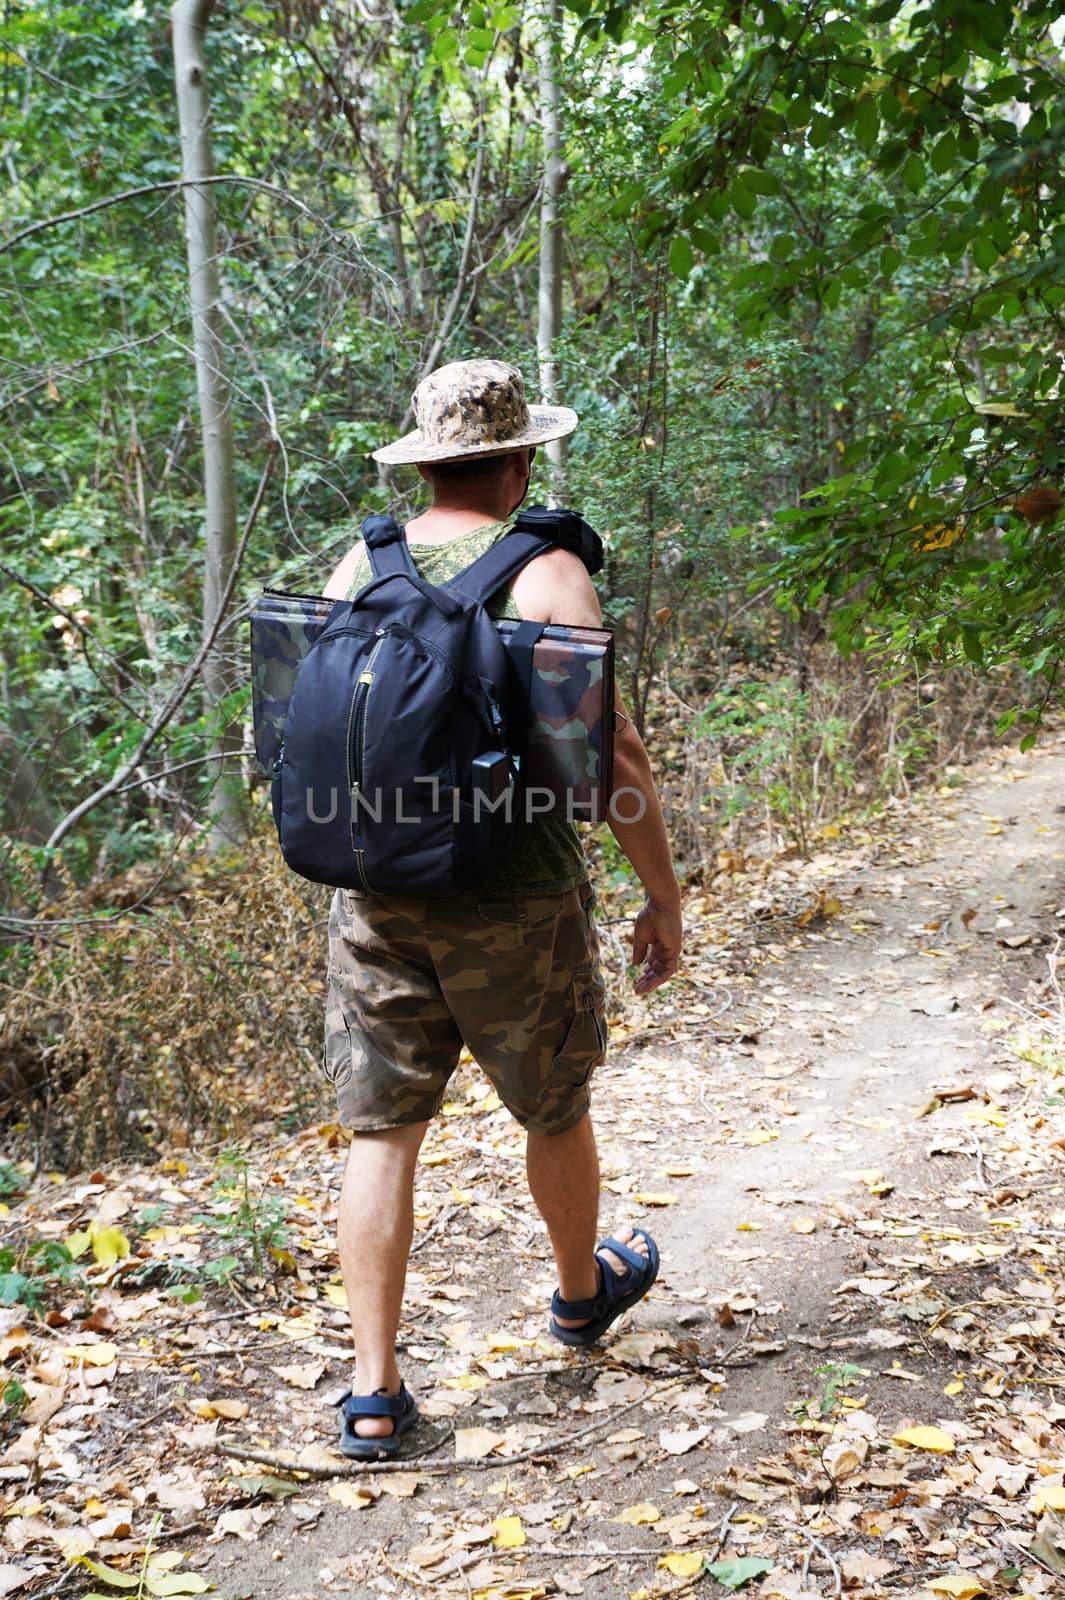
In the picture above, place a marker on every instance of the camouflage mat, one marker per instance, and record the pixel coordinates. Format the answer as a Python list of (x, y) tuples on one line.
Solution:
[(571, 710)]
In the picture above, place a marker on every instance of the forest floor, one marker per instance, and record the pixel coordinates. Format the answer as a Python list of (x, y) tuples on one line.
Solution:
[(842, 1126)]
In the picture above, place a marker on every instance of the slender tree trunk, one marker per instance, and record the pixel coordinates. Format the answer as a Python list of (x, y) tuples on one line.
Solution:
[(189, 20), (549, 320)]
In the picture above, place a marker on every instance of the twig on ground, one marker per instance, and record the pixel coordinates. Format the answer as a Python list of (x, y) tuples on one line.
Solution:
[(820, 1547), (265, 1458), (438, 1225)]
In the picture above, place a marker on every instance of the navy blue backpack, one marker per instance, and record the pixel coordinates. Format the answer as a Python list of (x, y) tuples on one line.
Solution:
[(400, 768)]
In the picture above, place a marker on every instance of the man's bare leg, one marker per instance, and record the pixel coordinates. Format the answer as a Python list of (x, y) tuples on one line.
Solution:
[(563, 1170), (374, 1232)]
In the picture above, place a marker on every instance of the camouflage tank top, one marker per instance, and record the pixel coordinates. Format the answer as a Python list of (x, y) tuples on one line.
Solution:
[(547, 856)]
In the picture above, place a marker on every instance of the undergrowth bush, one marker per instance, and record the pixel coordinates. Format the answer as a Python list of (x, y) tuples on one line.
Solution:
[(764, 763), (196, 1010)]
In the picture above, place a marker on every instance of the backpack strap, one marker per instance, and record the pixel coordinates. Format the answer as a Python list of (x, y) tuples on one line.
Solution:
[(500, 563), (565, 528), (386, 547)]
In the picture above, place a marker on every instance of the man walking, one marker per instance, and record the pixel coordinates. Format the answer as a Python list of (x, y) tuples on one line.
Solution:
[(510, 969)]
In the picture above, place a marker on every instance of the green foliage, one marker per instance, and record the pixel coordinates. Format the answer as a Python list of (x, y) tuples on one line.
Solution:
[(902, 168), (253, 1226), (31, 1276), (779, 755)]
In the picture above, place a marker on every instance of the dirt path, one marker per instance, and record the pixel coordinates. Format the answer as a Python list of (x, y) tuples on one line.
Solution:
[(855, 1173), (787, 1137)]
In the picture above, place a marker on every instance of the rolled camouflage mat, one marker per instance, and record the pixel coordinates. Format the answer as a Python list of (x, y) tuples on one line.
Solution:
[(570, 752)]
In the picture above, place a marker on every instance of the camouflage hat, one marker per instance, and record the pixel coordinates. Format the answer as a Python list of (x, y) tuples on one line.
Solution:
[(475, 408)]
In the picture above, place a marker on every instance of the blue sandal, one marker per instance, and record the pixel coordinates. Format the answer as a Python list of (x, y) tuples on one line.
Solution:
[(400, 1407), (615, 1295)]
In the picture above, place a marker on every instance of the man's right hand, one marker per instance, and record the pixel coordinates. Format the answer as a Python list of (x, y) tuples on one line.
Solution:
[(656, 941)]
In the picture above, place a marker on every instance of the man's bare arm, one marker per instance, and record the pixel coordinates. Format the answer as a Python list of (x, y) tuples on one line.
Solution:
[(556, 588)]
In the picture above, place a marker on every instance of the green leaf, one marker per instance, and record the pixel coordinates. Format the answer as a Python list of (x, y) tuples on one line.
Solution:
[(734, 1574), (913, 173), (164, 1583), (111, 1575), (760, 181), (821, 130), (985, 252), (742, 199), (422, 10), (866, 122), (971, 645), (445, 45), (890, 260), (475, 58), (681, 257), (481, 38), (943, 154), (252, 1484)]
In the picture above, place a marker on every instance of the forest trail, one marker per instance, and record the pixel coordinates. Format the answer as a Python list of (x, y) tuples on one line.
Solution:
[(853, 1166), (814, 1217)]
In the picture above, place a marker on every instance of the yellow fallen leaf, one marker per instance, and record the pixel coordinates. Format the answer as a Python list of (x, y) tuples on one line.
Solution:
[(804, 1225), (655, 1199), (232, 1410), (635, 1515), (336, 1295), (925, 1439), (109, 1245), (994, 1119), (680, 1172), (760, 1136), (346, 1494), (953, 1388), (683, 1564), (1051, 1497), (93, 1355), (748, 1227), (500, 1343), (509, 1533), (434, 1158), (468, 1380), (958, 1585)]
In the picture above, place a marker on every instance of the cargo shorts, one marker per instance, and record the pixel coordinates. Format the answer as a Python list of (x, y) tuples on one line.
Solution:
[(411, 981)]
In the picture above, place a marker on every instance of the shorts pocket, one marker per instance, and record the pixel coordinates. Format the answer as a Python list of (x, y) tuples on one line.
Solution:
[(535, 912), (584, 1046)]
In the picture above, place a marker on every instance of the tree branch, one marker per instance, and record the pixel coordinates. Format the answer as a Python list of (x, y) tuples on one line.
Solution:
[(162, 188), (181, 689)]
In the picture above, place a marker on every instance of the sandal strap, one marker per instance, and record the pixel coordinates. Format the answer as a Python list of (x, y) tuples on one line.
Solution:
[(376, 1405), (632, 1258), (578, 1310)]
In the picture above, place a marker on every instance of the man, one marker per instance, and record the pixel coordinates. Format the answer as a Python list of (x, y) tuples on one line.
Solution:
[(510, 969)]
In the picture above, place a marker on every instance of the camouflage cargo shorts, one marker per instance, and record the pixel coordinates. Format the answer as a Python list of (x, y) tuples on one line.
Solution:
[(411, 981)]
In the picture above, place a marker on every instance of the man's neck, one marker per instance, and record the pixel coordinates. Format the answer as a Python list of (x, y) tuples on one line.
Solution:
[(446, 520)]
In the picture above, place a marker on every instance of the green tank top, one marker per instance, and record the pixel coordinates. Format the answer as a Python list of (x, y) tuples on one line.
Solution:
[(547, 856)]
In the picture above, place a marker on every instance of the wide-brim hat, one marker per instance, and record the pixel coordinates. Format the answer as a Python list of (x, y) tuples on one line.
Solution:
[(475, 408)]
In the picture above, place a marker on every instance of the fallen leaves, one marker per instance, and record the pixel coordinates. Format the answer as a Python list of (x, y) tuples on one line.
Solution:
[(508, 1533), (635, 1516), (925, 1438)]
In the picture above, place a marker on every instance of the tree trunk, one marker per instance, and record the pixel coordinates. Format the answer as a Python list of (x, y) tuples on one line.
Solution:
[(189, 20), (549, 320)]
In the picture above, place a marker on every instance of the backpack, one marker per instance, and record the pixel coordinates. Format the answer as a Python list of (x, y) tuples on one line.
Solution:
[(400, 771)]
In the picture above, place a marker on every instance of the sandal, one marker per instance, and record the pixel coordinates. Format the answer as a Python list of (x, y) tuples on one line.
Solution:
[(616, 1294), (400, 1407)]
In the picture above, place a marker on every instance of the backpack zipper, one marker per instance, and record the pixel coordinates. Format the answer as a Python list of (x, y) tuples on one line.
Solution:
[(357, 733)]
